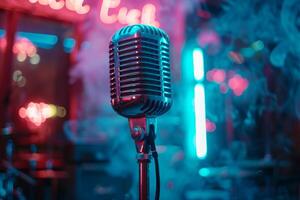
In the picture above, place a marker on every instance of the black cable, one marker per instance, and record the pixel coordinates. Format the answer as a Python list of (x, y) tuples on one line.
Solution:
[(157, 192), (155, 156)]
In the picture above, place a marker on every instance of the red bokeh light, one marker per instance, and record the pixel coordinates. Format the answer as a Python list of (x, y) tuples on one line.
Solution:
[(236, 57), (210, 126), (25, 47), (209, 40), (216, 75), (238, 84), (37, 113), (223, 88), (2, 43)]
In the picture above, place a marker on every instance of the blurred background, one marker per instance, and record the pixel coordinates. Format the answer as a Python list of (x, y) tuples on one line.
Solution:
[(233, 131)]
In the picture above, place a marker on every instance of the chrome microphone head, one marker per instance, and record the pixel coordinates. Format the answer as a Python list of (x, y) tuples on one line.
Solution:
[(140, 77)]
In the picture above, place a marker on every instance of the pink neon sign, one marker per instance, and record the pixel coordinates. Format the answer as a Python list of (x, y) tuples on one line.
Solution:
[(109, 12), (126, 16), (72, 5)]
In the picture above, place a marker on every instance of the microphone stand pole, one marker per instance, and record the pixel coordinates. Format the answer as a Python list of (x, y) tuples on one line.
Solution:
[(139, 128), (144, 159)]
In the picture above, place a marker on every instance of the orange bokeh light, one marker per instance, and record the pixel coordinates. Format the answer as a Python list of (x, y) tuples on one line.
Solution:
[(38, 113)]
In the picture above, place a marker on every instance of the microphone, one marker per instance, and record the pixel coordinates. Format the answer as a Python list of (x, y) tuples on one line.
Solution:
[(140, 86), (140, 78)]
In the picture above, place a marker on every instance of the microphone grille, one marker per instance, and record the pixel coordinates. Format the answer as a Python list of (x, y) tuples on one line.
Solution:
[(130, 30), (142, 60), (140, 77), (113, 85), (165, 62), (139, 67)]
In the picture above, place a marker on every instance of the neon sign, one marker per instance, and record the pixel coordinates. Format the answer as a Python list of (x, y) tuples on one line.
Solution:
[(125, 16), (72, 5)]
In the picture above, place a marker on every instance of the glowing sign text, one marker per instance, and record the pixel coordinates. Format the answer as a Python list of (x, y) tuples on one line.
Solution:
[(126, 16), (72, 5), (123, 15)]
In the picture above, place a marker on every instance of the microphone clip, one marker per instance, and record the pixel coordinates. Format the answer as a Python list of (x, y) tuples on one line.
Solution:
[(143, 131)]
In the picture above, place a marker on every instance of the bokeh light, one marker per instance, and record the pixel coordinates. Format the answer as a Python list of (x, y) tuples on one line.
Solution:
[(38, 113)]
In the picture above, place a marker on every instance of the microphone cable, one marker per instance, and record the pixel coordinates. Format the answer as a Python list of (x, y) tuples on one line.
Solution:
[(155, 157)]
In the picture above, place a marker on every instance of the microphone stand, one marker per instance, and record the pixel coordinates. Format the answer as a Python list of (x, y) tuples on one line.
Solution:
[(140, 132)]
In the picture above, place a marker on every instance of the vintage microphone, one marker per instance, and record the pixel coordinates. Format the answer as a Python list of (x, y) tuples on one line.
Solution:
[(140, 85)]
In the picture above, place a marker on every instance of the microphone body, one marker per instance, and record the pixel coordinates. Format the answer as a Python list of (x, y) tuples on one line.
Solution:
[(139, 66), (140, 85)]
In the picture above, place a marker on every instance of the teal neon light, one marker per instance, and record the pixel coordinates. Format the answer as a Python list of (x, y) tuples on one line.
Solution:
[(204, 172), (190, 123), (2, 33), (198, 63), (200, 121), (42, 40), (45, 41), (69, 44)]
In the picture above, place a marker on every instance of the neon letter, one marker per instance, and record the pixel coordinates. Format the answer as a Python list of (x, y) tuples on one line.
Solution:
[(122, 15), (56, 5), (106, 5), (133, 16), (148, 16), (44, 2), (77, 6)]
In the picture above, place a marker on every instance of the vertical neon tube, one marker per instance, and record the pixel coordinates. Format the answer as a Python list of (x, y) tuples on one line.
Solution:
[(200, 121), (198, 62), (199, 104)]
